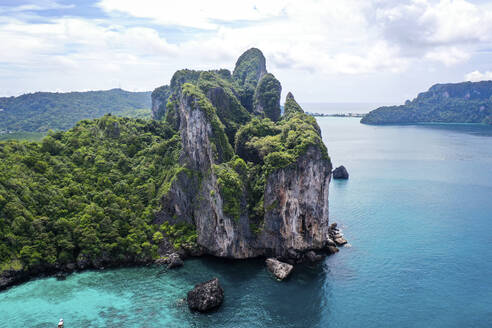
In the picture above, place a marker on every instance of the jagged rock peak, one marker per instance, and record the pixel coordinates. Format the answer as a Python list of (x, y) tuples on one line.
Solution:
[(291, 105), (250, 67)]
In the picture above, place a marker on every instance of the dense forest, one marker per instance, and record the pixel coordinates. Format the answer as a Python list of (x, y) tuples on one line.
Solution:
[(43, 111), (88, 193), (468, 102)]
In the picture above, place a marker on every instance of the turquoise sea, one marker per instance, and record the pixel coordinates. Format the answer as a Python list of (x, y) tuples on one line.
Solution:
[(417, 211)]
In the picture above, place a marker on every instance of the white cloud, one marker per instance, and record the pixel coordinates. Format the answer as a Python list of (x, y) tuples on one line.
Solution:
[(326, 38), (351, 36), (448, 55), (477, 76), (196, 13), (39, 6)]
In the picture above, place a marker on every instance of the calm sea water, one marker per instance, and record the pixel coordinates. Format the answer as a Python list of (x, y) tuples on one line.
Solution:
[(417, 211)]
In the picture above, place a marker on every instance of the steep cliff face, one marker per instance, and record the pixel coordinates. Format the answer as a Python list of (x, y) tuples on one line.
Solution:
[(296, 199), (271, 203), (159, 100)]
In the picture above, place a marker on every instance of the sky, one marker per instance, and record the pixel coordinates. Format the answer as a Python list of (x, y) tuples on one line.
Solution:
[(373, 51)]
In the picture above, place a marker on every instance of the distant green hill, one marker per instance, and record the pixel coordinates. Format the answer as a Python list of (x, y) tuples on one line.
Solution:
[(467, 102), (43, 111)]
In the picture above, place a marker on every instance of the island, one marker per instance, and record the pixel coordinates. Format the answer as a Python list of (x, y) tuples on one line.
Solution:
[(218, 171), (40, 112), (467, 102)]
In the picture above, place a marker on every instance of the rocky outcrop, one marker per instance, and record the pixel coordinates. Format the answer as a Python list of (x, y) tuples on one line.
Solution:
[(340, 173), (12, 277), (206, 296), (296, 201), (279, 269), (336, 235), (291, 106), (175, 261), (275, 207)]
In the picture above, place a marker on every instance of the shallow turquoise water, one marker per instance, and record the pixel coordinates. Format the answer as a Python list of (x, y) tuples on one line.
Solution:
[(417, 211)]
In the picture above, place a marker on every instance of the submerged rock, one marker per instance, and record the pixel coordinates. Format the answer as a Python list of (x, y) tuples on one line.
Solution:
[(332, 249), (61, 275), (313, 257), (279, 269), (206, 296), (340, 173)]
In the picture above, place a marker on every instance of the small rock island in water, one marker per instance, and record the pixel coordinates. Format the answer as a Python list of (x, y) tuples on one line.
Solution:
[(219, 171)]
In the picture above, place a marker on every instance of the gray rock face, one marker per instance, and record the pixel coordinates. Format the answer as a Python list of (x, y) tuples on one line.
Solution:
[(267, 97), (340, 173), (279, 269), (157, 106), (296, 199), (159, 100), (313, 257), (206, 296), (175, 261)]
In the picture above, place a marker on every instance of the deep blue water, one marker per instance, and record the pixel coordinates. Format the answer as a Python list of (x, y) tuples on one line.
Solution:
[(417, 211)]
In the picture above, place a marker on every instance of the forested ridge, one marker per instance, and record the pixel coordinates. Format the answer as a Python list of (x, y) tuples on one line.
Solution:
[(43, 111), (467, 102)]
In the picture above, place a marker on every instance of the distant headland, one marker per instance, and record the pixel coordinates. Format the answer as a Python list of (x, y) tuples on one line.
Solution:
[(467, 102)]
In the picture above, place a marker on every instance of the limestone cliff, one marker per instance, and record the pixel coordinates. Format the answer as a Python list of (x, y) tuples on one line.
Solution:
[(159, 100), (252, 186)]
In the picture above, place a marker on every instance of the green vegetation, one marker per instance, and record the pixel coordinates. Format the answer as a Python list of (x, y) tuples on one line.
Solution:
[(221, 91), (180, 235), (231, 188), (468, 102), (250, 67), (88, 194), (269, 146), (267, 97), (28, 136), (43, 111), (141, 113), (291, 106)]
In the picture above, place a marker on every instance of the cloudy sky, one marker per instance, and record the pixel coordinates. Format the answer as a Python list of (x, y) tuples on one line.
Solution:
[(323, 51)]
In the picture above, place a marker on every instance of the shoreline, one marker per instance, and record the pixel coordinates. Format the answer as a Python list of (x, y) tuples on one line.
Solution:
[(10, 278)]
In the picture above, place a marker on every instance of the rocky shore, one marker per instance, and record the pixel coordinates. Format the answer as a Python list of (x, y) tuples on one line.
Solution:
[(281, 267)]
